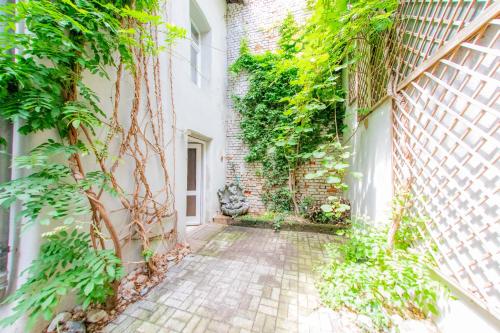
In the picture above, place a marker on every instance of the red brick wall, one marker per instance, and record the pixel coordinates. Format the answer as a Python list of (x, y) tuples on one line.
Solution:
[(258, 22)]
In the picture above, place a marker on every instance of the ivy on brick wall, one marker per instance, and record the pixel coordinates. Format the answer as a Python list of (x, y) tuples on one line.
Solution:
[(266, 117), (294, 108)]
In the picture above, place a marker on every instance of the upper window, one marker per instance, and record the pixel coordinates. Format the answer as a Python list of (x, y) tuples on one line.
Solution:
[(200, 52), (195, 55)]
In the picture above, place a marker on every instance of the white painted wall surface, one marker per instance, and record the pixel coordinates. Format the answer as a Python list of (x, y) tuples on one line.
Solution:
[(199, 110), (463, 316), (370, 143)]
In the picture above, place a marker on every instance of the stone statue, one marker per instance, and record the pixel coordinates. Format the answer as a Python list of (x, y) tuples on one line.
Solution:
[(232, 200)]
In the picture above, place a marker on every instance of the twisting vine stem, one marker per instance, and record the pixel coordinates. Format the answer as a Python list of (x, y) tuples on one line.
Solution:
[(43, 87)]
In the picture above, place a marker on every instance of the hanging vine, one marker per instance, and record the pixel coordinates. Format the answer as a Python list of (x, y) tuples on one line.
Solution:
[(43, 87)]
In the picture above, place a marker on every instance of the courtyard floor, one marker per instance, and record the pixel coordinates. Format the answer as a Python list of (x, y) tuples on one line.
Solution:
[(237, 280)]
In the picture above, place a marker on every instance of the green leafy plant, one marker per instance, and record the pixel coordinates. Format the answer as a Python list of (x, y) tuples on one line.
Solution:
[(67, 263), (50, 193), (266, 117), (147, 254), (317, 212), (42, 87), (295, 102), (278, 221), (278, 200), (333, 167), (367, 277)]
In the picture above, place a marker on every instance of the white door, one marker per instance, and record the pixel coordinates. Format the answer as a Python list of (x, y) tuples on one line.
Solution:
[(194, 184)]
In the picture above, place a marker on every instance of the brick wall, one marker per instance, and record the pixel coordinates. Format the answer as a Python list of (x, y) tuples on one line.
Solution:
[(258, 22)]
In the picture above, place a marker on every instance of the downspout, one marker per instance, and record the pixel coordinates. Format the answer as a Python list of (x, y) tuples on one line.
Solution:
[(14, 227)]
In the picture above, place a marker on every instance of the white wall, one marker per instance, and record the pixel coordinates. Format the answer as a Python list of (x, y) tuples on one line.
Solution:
[(370, 142), (463, 316), (199, 111)]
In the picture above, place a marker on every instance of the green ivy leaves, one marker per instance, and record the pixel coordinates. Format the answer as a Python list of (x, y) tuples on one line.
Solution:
[(276, 138), (366, 278)]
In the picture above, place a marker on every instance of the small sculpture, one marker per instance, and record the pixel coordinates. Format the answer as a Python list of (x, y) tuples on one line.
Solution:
[(232, 200)]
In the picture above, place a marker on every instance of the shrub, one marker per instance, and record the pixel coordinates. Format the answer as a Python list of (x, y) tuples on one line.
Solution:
[(278, 221), (278, 200), (367, 278), (314, 212)]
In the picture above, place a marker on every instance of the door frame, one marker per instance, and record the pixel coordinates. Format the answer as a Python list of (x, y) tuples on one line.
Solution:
[(201, 181)]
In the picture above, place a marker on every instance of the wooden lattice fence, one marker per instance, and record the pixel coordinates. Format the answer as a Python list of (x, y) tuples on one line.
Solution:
[(440, 67)]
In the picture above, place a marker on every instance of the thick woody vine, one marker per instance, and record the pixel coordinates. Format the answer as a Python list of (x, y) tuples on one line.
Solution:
[(42, 88)]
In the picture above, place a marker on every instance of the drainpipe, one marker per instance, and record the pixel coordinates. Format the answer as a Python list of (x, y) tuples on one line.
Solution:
[(14, 226)]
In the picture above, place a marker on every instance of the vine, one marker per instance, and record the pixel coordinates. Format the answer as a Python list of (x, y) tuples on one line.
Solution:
[(267, 118), (42, 87), (294, 108)]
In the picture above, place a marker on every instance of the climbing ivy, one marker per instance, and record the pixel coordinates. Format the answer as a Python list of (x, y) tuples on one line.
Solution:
[(295, 103), (266, 116)]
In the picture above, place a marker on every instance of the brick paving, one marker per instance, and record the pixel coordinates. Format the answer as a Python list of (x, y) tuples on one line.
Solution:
[(241, 280)]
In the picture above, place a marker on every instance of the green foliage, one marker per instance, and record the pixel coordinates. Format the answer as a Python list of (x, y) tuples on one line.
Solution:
[(278, 221), (70, 37), (295, 101), (315, 212), (50, 193), (330, 42), (147, 255), (333, 167), (42, 88), (410, 230), (66, 264), (278, 200), (367, 278), (265, 116)]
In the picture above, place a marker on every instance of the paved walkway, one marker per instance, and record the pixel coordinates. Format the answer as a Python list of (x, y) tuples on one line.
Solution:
[(238, 280)]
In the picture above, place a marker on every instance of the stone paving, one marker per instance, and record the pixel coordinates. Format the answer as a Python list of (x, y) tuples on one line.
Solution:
[(241, 280)]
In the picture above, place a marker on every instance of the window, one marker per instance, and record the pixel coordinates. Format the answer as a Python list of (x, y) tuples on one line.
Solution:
[(5, 175), (195, 55), (199, 49)]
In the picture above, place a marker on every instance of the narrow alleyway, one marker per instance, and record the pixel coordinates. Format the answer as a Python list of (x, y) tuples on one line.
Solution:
[(237, 280)]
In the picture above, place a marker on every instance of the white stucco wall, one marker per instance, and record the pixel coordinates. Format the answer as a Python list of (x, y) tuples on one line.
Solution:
[(370, 143), (200, 112)]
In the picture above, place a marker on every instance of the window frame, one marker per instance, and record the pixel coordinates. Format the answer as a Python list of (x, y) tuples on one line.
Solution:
[(197, 46)]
